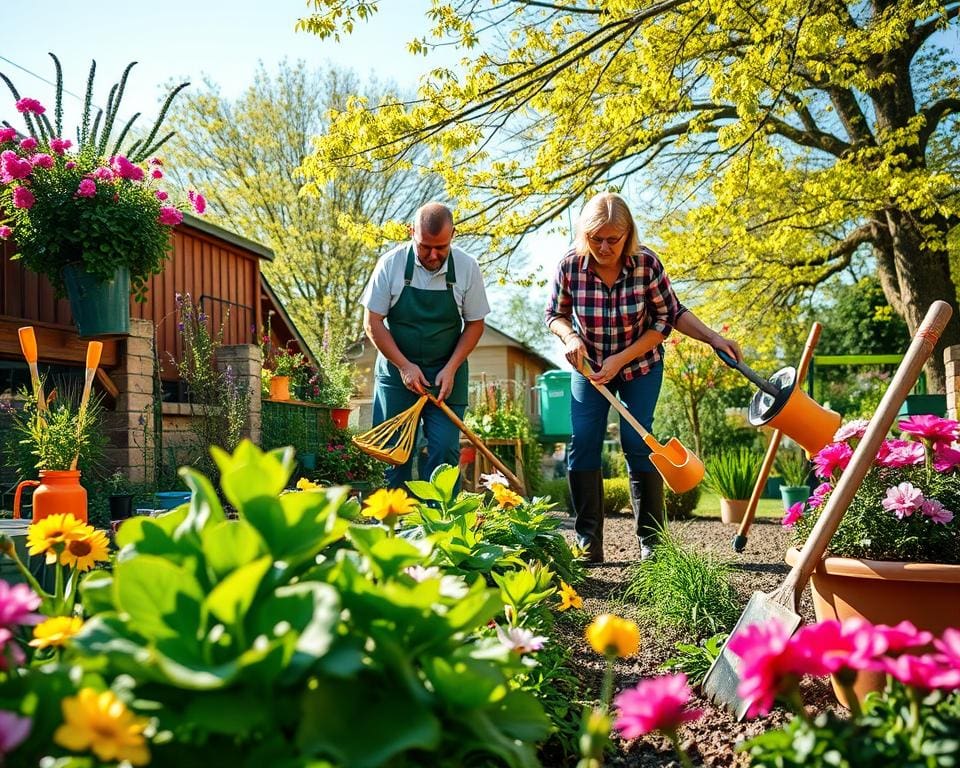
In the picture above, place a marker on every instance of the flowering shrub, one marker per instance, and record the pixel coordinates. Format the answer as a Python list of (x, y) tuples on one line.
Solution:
[(905, 507), (95, 205), (340, 462)]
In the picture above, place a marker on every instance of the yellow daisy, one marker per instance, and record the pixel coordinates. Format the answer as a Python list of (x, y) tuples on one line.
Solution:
[(307, 485), (613, 636), (506, 499), (83, 553), (569, 597), (101, 723), (389, 504), (51, 533), (55, 632)]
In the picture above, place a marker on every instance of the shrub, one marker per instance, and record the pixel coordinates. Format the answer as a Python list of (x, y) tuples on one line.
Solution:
[(680, 506), (558, 490), (732, 474), (613, 464), (616, 495), (793, 467)]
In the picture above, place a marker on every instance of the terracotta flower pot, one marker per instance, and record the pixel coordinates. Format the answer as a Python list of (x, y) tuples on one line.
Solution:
[(280, 388), (731, 510), (884, 592), (340, 416)]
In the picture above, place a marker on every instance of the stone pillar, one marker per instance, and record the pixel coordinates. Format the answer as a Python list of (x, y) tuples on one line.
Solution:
[(245, 361), (130, 427), (951, 360)]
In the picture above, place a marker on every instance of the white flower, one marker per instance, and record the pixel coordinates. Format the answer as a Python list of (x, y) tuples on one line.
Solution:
[(520, 640), (494, 478), (418, 573)]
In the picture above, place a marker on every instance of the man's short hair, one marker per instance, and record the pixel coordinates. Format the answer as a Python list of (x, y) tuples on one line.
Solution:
[(433, 218)]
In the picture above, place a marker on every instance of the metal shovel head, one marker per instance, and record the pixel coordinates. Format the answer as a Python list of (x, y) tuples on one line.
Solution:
[(720, 684), (681, 470)]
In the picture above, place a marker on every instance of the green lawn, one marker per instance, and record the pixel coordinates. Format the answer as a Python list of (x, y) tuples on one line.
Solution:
[(709, 506)]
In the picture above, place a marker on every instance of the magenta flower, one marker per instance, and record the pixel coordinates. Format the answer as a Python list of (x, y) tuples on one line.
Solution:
[(13, 730), (767, 663), (949, 645), (900, 453), (936, 511), (17, 605), (658, 704), (125, 169), (819, 495), (103, 174), (5, 232), (87, 188), (793, 514), (28, 144), (42, 160), (156, 173), (7, 134), (161, 195), (826, 647), (30, 105), (70, 165), (851, 430), (930, 427), (945, 457), (59, 146), (198, 201), (23, 198), (831, 458), (925, 672), (901, 636), (903, 500), (170, 216), (13, 167)]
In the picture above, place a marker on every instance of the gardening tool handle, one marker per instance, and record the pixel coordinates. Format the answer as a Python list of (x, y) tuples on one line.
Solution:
[(94, 350), (477, 442), (924, 340), (812, 338), (16, 496), (649, 439), (754, 377)]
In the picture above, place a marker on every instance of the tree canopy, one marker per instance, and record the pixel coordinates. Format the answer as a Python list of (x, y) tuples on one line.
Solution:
[(774, 143)]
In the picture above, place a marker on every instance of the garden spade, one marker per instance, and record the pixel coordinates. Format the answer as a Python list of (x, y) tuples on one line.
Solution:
[(94, 350), (781, 605), (740, 540), (679, 468), (28, 344)]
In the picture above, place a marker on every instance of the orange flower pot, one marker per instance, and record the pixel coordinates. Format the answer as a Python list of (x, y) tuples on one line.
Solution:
[(340, 417), (280, 388), (58, 492)]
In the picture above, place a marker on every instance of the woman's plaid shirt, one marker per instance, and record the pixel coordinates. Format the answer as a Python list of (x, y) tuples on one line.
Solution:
[(611, 319)]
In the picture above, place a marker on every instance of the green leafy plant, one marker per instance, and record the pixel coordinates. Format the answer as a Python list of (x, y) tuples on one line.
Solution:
[(341, 462), (793, 467), (117, 484), (99, 207), (695, 659), (286, 363), (684, 589), (680, 506), (732, 474), (337, 374)]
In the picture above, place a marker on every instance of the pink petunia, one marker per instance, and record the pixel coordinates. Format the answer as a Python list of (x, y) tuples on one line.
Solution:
[(901, 636), (900, 453), (949, 645), (161, 195), (5, 232), (23, 198), (17, 605), (930, 427), (30, 105), (198, 201), (125, 169), (170, 216), (936, 511), (926, 672), (819, 495), (902, 500), (59, 146), (87, 188), (793, 514), (851, 430), (832, 458), (945, 457), (41, 160), (659, 704), (7, 134), (13, 730), (28, 144), (767, 664)]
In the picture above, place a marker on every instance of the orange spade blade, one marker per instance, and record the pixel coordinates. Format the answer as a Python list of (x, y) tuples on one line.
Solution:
[(28, 343), (94, 350)]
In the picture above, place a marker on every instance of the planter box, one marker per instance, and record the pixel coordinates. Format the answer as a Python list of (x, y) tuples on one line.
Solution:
[(919, 404)]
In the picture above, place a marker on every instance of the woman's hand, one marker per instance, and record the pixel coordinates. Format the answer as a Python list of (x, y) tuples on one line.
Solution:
[(608, 371), (574, 350), (726, 345)]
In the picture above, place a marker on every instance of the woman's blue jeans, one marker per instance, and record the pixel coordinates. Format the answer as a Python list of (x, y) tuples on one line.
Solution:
[(589, 410)]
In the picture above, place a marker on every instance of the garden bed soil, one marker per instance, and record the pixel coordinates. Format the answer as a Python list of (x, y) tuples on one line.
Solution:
[(711, 740)]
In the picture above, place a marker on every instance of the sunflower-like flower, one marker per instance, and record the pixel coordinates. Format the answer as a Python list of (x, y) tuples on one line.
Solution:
[(387, 505), (505, 498), (569, 597), (56, 632), (101, 723), (83, 553), (613, 636), (52, 534), (303, 484)]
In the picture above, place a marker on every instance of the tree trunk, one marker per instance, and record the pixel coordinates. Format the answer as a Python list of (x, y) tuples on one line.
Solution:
[(915, 271)]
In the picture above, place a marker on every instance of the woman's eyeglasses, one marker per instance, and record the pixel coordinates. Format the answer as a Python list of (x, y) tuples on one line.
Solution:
[(608, 240)]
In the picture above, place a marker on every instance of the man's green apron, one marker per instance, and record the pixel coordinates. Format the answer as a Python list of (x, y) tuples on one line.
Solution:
[(426, 325)]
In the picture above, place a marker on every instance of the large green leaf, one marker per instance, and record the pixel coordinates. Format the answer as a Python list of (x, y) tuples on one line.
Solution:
[(444, 479), (231, 598), (162, 599), (204, 506), (466, 683), (229, 545), (250, 473), (96, 592), (424, 490), (521, 716), (309, 609)]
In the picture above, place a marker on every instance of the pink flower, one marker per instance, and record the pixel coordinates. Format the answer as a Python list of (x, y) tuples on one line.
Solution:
[(30, 105), (17, 605), (930, 427), (13, 730), (42, 160), (925, 672), (903, 500), (900, 453), (945, 457), (28, 144), (7, 134), (23, 198), (9, 651), (767, 663), (199, 203), (832, 457), (5, 232), (901, 636), (103, 174), (854, 429), (793, 514), (170, 216), (156, 173), (819, 494), (161, 195), (520, 640), (824, 647), (70, 165), (125, 169), (936, 511), (949, 645), (654, 705), (155, 161), (13, 167), (87, 188), (59, 146)]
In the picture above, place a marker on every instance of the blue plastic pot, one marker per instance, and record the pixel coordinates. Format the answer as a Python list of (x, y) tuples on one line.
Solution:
[(171, 499)]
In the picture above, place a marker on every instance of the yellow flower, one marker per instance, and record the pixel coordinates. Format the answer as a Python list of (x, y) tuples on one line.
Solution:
[(55, 632), (506, 499), (83, 553), (569, 597), (387, 503), (613, 636), (307, 485), (46, 535), (102, 723)]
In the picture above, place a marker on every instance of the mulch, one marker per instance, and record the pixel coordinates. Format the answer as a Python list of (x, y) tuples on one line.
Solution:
[(711, 740)]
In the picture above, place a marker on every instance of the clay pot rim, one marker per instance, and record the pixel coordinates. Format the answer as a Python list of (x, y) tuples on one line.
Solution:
[(881, 569)]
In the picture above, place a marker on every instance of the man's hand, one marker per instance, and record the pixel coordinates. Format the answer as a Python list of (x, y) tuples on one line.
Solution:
[(574, 350), (444, 381), (608, 371), (413, 378), (727, 345)]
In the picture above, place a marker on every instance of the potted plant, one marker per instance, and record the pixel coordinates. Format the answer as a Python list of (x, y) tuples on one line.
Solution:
[(337, 375), (732, 475), (284, 365), (341, 462), (896, 553), (120, 491), (794, 469), (93, 218)]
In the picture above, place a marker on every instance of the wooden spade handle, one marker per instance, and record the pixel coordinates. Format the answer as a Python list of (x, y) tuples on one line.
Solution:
[(620, 408), (924, 340), (94, 351), (477, 442)]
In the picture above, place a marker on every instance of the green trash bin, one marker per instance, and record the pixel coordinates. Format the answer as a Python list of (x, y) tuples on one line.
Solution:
[(553, 388)]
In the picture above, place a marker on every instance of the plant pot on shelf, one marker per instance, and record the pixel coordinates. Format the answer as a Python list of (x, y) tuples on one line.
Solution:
[(99, 308), (121, 506), (732, 510), (57, 491), (308, 461), (280, 388), (884, 592), (340, 417), (791, 494)]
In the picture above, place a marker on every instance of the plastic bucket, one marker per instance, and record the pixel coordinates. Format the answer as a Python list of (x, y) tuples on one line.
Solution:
[(171, 499)]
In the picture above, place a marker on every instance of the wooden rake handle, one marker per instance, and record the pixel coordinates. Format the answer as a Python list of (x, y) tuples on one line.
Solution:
[(924, 340), (94, 351), (812, 338), (478, 442)]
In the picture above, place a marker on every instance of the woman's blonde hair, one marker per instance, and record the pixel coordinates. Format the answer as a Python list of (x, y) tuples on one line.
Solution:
[(606, 208)]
